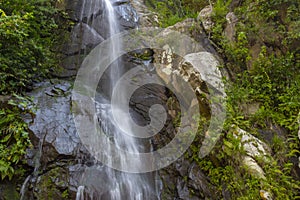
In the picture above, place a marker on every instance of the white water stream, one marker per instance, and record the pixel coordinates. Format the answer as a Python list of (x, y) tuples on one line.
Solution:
[(121, 185)]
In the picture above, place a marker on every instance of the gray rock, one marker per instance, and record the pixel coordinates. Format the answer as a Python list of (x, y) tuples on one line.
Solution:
[(119, 2), (147, 18), (254, 148), (100, 24), (127, 16), (207, 65), (80, 10), (83, 38), (54, 122), (50, 184), (253, 167), (72, 62), (205, 17), (199, 181), (252, 145), (182, 189), (65, 73), (230, 31), (183, 167)]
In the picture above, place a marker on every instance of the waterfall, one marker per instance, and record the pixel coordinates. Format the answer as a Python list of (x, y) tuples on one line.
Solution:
[(118, 185), (37, 165), (116, 43), (80, 193), (123, 185)]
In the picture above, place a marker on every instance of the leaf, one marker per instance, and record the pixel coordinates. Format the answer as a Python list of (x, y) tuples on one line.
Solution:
[(228, 144), (293, 152), (6, 138)]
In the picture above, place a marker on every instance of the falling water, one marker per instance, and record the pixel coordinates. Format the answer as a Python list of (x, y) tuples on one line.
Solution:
[(80, 193), (121, 185), (37, 164), (124, 185), (37, 158), (116, 43), (24, 188)]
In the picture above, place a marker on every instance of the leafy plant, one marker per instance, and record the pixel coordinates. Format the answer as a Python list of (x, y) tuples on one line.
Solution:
[(14, 137), (171, 12), (26, 42), (270, 81), (28, 36)]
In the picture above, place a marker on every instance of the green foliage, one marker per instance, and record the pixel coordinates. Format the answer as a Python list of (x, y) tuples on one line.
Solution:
[(272, 80), (65, 194), (26, 42), (14, 137), (226, 173), (238, 52), (171, 12), (28, 36), (273, 83), (220, 9)]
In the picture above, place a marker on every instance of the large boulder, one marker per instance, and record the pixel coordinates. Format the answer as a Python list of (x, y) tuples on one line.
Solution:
[(54, 122), (254, 149), (127, 16)]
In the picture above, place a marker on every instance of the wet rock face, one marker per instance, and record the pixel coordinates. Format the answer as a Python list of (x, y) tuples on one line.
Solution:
[(59, 161), (185, 180), (87, 11), (83, 10), (53, 102), (83, 37), (91, 28), (127, 15)]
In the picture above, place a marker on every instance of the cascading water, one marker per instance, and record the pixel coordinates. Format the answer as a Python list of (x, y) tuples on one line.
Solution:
[(80, 193), (37, 164), (121, 185), (24, 188), (116, 43)]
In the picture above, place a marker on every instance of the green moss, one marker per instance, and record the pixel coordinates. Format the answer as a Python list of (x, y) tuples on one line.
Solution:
[(10, 190), (52, 185), (145, 54)]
